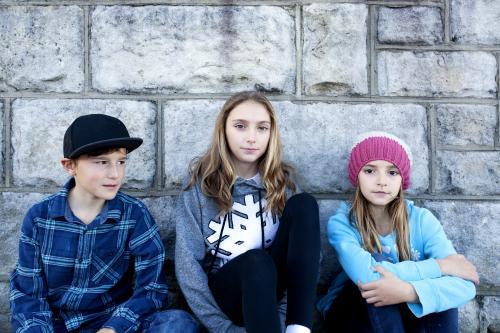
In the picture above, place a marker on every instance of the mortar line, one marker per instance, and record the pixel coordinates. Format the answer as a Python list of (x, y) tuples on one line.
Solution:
[(86, 48), (283, 97), (372, 53), (159, 181), (498, 105), (447, 26), (7, 142), (432, 126), (298, 49), (442, 48)]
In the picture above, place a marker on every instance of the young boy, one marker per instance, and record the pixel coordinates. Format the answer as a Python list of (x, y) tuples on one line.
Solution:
[(90, 257)]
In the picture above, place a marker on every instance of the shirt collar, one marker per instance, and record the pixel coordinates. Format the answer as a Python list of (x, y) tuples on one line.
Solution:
[(60, 207)]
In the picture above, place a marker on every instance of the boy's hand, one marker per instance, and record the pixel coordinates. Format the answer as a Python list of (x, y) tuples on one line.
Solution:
[(106, 330), (387, 290), (457, 265)]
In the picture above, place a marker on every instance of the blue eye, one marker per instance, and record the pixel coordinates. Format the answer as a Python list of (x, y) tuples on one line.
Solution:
[(239, 126), (263, 128)]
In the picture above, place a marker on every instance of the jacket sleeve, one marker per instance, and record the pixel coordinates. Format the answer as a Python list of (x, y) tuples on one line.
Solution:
[(358, 263), (443, 293), (150, 290), (189, 254), (31, 311)]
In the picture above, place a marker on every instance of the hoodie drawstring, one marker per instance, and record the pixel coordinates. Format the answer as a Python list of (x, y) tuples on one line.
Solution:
[(218, 244), (261, 221)]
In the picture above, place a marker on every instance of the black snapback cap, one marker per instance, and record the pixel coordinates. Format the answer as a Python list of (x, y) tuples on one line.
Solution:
[(94, 132)]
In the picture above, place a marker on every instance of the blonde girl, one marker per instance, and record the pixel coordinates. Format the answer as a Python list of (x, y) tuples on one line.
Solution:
[(400, 272), (243, 237)]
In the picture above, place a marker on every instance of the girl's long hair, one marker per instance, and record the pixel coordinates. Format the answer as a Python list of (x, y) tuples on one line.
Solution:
[(366, 224), (216, 169)]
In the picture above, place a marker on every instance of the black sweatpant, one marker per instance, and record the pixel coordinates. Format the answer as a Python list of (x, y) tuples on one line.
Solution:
[(248, 287)]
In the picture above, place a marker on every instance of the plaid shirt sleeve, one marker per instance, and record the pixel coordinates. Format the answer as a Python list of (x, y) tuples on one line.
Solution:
[(150, 291), (28, 296)]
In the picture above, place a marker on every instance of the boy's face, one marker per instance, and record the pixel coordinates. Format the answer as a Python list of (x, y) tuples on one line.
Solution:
[(98, 177)]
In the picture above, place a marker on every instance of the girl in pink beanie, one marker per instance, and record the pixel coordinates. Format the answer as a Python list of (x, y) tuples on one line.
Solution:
[(400, 272)]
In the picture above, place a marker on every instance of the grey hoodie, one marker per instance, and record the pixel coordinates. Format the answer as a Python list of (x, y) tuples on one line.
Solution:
[(199, 226)]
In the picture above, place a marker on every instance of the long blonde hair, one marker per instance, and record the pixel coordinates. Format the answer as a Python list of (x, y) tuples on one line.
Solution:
[(366, 224), (216, 169)]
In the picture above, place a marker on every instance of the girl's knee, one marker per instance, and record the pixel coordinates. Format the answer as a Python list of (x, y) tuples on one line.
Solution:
[(258, 265), (303, 200)]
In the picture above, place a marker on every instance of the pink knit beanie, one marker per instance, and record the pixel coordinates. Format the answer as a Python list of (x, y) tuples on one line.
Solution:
[(373, 146)]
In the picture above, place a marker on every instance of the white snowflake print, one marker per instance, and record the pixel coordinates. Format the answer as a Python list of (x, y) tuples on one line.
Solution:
[(242, 231), (415, 254)]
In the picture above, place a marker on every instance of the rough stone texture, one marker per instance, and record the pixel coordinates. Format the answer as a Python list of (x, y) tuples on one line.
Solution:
[(192, 49), (437, 74), (463, 125), (163, 211), (317, 138), (13, 208), (468, 225), (334, 55), (1, 140), (474, 173), (188, 131), (410, 25), (468, 317), (475, 22), (4, 307), (490, 315), (4, 301), (37, 54), (38, 128)]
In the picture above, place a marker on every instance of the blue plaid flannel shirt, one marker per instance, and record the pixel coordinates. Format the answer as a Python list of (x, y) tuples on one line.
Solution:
[(109, 271)]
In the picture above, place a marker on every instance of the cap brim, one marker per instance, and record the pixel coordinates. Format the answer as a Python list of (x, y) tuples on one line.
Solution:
[(127, 143)]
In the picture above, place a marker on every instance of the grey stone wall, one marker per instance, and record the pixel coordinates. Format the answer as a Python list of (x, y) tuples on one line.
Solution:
[(427, 71)]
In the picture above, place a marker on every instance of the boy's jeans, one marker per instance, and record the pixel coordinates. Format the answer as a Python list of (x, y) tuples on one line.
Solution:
[(171, 321)]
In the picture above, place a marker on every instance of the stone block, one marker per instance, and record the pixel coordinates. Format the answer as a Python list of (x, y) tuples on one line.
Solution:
[(410, 25), (4, 323), (317, 139), (1, 140), (470, 173), (334, 53), (463, 125), (192, 49), (468, 317), (472, 227), (163, 211), (437, 74), (4, 297), (42, 48), (475, 22), (490, 314), (38, 128), (188, 129), (13, 208)]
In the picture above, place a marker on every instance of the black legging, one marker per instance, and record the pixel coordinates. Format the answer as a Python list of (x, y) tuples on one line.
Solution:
[(248, 287)]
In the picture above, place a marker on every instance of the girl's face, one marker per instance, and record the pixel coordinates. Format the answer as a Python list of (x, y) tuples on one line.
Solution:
[(379, 182), (248, 129)]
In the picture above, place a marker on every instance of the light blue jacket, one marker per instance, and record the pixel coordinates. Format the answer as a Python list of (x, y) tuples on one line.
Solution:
[(428, 242)]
